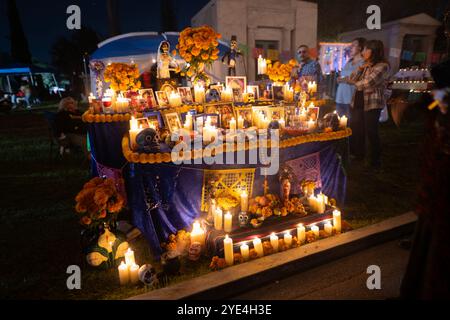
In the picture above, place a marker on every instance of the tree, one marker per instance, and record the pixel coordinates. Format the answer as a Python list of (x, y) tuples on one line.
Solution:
[(113, 17), (20, 51), (169, 20)]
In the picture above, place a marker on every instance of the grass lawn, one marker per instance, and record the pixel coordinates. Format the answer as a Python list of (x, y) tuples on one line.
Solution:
[(40, 235)]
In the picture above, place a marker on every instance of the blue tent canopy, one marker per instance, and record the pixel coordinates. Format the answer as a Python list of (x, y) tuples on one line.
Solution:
[(19, 68), (136, 44)]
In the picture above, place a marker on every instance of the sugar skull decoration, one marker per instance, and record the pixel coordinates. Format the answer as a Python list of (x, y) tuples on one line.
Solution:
[(331, 120), (195, 251), (286, 177), (147, 275), (212, 95), (148, 141), (243, 219)]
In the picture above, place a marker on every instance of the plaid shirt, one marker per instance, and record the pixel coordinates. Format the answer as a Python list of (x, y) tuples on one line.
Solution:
[(372, 81)]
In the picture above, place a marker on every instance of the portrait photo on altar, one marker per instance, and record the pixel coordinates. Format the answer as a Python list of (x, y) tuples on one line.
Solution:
[(224, 151)]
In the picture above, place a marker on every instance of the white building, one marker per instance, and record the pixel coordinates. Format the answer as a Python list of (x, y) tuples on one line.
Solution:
[(414, 34), (280, 25)]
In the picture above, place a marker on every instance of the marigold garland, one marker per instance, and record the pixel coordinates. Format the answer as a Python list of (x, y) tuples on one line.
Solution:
[(123, 77), (279, 72)]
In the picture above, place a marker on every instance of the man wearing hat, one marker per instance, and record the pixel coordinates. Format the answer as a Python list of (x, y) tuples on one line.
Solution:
[(232, 56)]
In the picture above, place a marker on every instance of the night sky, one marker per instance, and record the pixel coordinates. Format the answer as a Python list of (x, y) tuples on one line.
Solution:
[(45, 20)]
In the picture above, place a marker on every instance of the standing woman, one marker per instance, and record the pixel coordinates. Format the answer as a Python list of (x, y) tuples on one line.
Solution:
[(370, 81), (345, 91)]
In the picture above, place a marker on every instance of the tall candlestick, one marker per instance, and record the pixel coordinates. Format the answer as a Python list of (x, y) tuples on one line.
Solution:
[(337, 222), (262, 65), (228, 223), (245, 252), (258, 247), (244, 201), (129, 257), (228, 249), (288, 239), (218, 219), (301, 234), (199, 94), (134, 273), (274, 242), (124, 274)]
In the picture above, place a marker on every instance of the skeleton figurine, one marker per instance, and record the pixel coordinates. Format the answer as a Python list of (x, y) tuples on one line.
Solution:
[(232, 56), (165, 61), (147, 141)]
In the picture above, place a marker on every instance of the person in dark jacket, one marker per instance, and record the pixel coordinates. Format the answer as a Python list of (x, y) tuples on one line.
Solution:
[(70, 129)]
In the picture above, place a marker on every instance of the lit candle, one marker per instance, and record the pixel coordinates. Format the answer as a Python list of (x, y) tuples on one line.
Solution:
[(328, 228), (337, 222), (199, 93), (282, 123), (228, 249), (274, 242), (227, 95), (198, 234), (262, 65), (134, 273), (240, 123), (315, 230), (134, 131), (175, 99), (122, 104), (228, 223), (124, 274), (288, 239), (91, 98), (301, 234), (233, 125), (245, 252), (129, 257), (244, 201), (218, 219), (312, 201), (343, 121), (258, 247), (311, 125)]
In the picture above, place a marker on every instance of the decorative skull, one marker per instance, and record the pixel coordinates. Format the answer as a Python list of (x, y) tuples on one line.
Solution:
[(243, 219), (212, 95), (147, 141), (195, 251), (147, 274), (331, 120)]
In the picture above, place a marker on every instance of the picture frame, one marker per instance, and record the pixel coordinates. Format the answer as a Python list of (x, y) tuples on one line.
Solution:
[(313, 113), (172, 121), (254, 90), (226, 112), (246, 113), (256, 110), (163, 99), (238, 95), (148, 98), (236, 82), (201, 119), (277, 113), (218, 87), (143, 123), (167, 88), (192, 112), (186, 95), (155, 118), (211, 108), (278, 93)]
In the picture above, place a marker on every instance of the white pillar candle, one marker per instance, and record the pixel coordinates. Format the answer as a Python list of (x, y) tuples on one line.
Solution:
[(245, 252), (124, 274), (233, 125), (227, 95), (301, 234), (282, 123), (244, 201), (311, 125), (228, 249), (262, 65), (240, 123), (175, 99), (228, 223), (328, 228), (315, 230), (258, 247), (134, 274), (343, 121), (134, 131), (91, 98), (129, 257), (312, 202), (198, 234), (274, 242), (337, 222), (218, 219), (199, 94), (288, 240)]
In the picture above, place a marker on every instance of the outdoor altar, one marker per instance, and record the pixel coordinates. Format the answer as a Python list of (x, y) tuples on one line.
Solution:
[(194, 163)]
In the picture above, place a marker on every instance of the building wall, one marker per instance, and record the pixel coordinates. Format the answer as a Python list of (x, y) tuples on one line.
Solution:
[(291, 22)]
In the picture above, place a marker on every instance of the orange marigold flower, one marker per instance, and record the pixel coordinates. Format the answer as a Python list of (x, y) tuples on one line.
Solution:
[(86, 221)]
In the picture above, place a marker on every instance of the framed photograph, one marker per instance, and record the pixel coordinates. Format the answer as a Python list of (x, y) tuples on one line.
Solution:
[(148, 98), (155, 119), (277, 93), (254, 90), (276, 113), (218, 87), (313, 113), (258, 110), (143, 123), (183, 115), (246, 113), (163, 99), (237, 82), (168, 89), (226, 113), (211, 108), (200, 120), (172, 121), (238, 95), (186, 95)]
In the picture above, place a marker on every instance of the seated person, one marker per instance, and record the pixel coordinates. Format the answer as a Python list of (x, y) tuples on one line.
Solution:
[(70, 129)]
